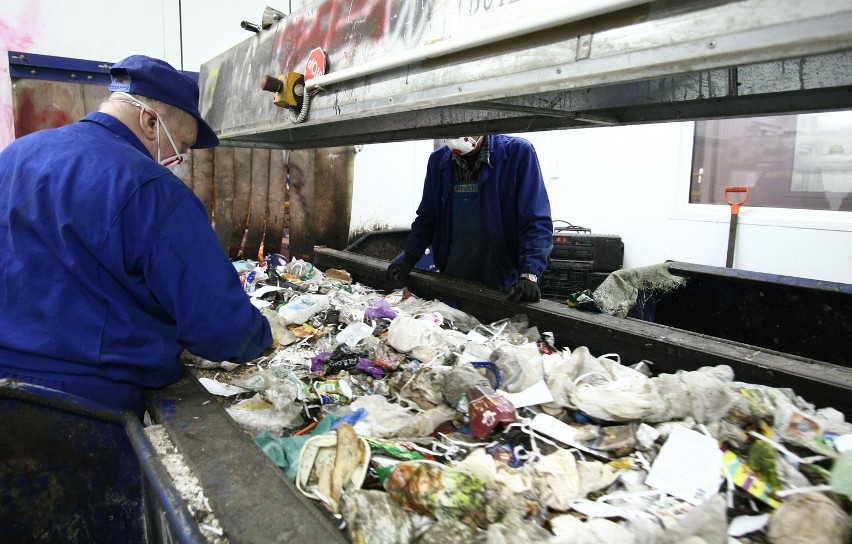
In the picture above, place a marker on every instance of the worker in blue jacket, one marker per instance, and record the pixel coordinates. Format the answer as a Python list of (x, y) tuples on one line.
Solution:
[(109, 268), (486, 214)]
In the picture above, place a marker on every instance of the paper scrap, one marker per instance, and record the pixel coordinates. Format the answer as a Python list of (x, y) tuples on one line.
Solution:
[(264, 289), (219, 388), (688, 466), (743, 525), (552, 427), (537, 393)]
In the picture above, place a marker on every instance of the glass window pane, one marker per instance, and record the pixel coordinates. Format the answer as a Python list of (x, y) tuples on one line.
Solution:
[(787, 161)]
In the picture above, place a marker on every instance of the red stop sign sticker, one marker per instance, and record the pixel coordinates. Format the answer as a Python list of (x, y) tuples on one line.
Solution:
[(316, 64)]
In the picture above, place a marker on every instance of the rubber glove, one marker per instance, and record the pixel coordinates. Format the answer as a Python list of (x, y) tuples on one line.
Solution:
[(398, 272), (525, 291)]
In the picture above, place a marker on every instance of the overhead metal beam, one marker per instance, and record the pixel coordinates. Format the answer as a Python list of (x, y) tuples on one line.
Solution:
[(664, 61)]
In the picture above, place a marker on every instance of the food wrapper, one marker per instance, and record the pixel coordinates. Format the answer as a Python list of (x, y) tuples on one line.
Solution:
[(745, 478), (306, 331), (486, 409), (397, 450), (331, 391), (343, 358), (437, 491)]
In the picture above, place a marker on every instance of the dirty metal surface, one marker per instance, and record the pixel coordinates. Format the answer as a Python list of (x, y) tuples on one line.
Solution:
[(250, 496), (669, 348), (72, 470), (657, 61)]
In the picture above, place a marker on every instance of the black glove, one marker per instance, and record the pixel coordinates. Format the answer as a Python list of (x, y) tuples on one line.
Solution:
[(398, 272), (525, 291)]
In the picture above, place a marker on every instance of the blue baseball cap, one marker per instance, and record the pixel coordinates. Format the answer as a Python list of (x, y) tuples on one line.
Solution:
[(154, 78)]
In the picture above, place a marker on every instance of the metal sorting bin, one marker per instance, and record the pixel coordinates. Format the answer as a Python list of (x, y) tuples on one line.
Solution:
[(797, 316), (72, 470)]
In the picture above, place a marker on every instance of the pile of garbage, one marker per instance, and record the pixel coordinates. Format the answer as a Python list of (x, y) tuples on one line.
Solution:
[(414, 422)]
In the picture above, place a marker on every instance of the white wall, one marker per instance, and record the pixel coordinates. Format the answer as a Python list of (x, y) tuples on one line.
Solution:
[(629, 181)]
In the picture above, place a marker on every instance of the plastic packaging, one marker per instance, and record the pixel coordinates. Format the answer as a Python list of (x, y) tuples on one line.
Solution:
[(302, 308), (841, 469)]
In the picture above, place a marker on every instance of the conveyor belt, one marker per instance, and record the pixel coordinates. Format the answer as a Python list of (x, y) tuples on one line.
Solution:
[(250, 496), (669, 348)]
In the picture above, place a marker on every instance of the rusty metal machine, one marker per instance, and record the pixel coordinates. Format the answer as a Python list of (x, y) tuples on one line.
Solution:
[(356, 72)]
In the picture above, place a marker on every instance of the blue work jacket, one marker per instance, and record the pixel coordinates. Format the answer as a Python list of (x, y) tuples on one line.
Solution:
[(108, 265), (515, 210)]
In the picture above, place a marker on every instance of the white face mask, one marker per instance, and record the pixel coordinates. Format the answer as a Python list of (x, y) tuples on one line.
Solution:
[(177, 163), (463, 145)]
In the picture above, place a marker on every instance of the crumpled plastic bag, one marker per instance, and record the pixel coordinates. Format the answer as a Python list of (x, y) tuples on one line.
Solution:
[(510, 490), (704, 524), (379, 309), (258, 415), (445, 531), (570, 530), (514, 529), (560, 478), (608, 390), (407, 333), (424, 387), (284, 452), (809, 518), (458, 319), (520, 366), (580, 367), (390, 420), (278, 385), (704, 394), (461, 378), (373, 517)]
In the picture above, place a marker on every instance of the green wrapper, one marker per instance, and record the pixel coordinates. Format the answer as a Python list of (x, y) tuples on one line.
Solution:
[(437, 491)]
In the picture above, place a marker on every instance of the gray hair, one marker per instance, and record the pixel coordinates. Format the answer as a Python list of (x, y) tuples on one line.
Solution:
[(124, 104)]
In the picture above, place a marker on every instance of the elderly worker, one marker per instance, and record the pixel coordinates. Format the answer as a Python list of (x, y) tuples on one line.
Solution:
[(108, 266), (486, 213)]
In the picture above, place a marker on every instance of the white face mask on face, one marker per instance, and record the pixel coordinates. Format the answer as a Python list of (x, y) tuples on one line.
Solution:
[(463, 145), (177, 163)]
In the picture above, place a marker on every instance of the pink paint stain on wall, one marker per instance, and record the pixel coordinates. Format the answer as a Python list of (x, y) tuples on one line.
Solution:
[(13, 38), (15, 35), (7, 116)]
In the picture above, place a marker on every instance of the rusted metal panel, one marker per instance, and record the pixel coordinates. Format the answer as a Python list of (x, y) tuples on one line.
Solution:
[(276, 210), (241, 211), (47, 104), (437, 96), (302, 173), (257, 203), (202, 178), (223, 183)]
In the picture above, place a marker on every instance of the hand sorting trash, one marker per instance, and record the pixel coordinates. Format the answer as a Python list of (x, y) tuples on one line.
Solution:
[(413, 421)]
